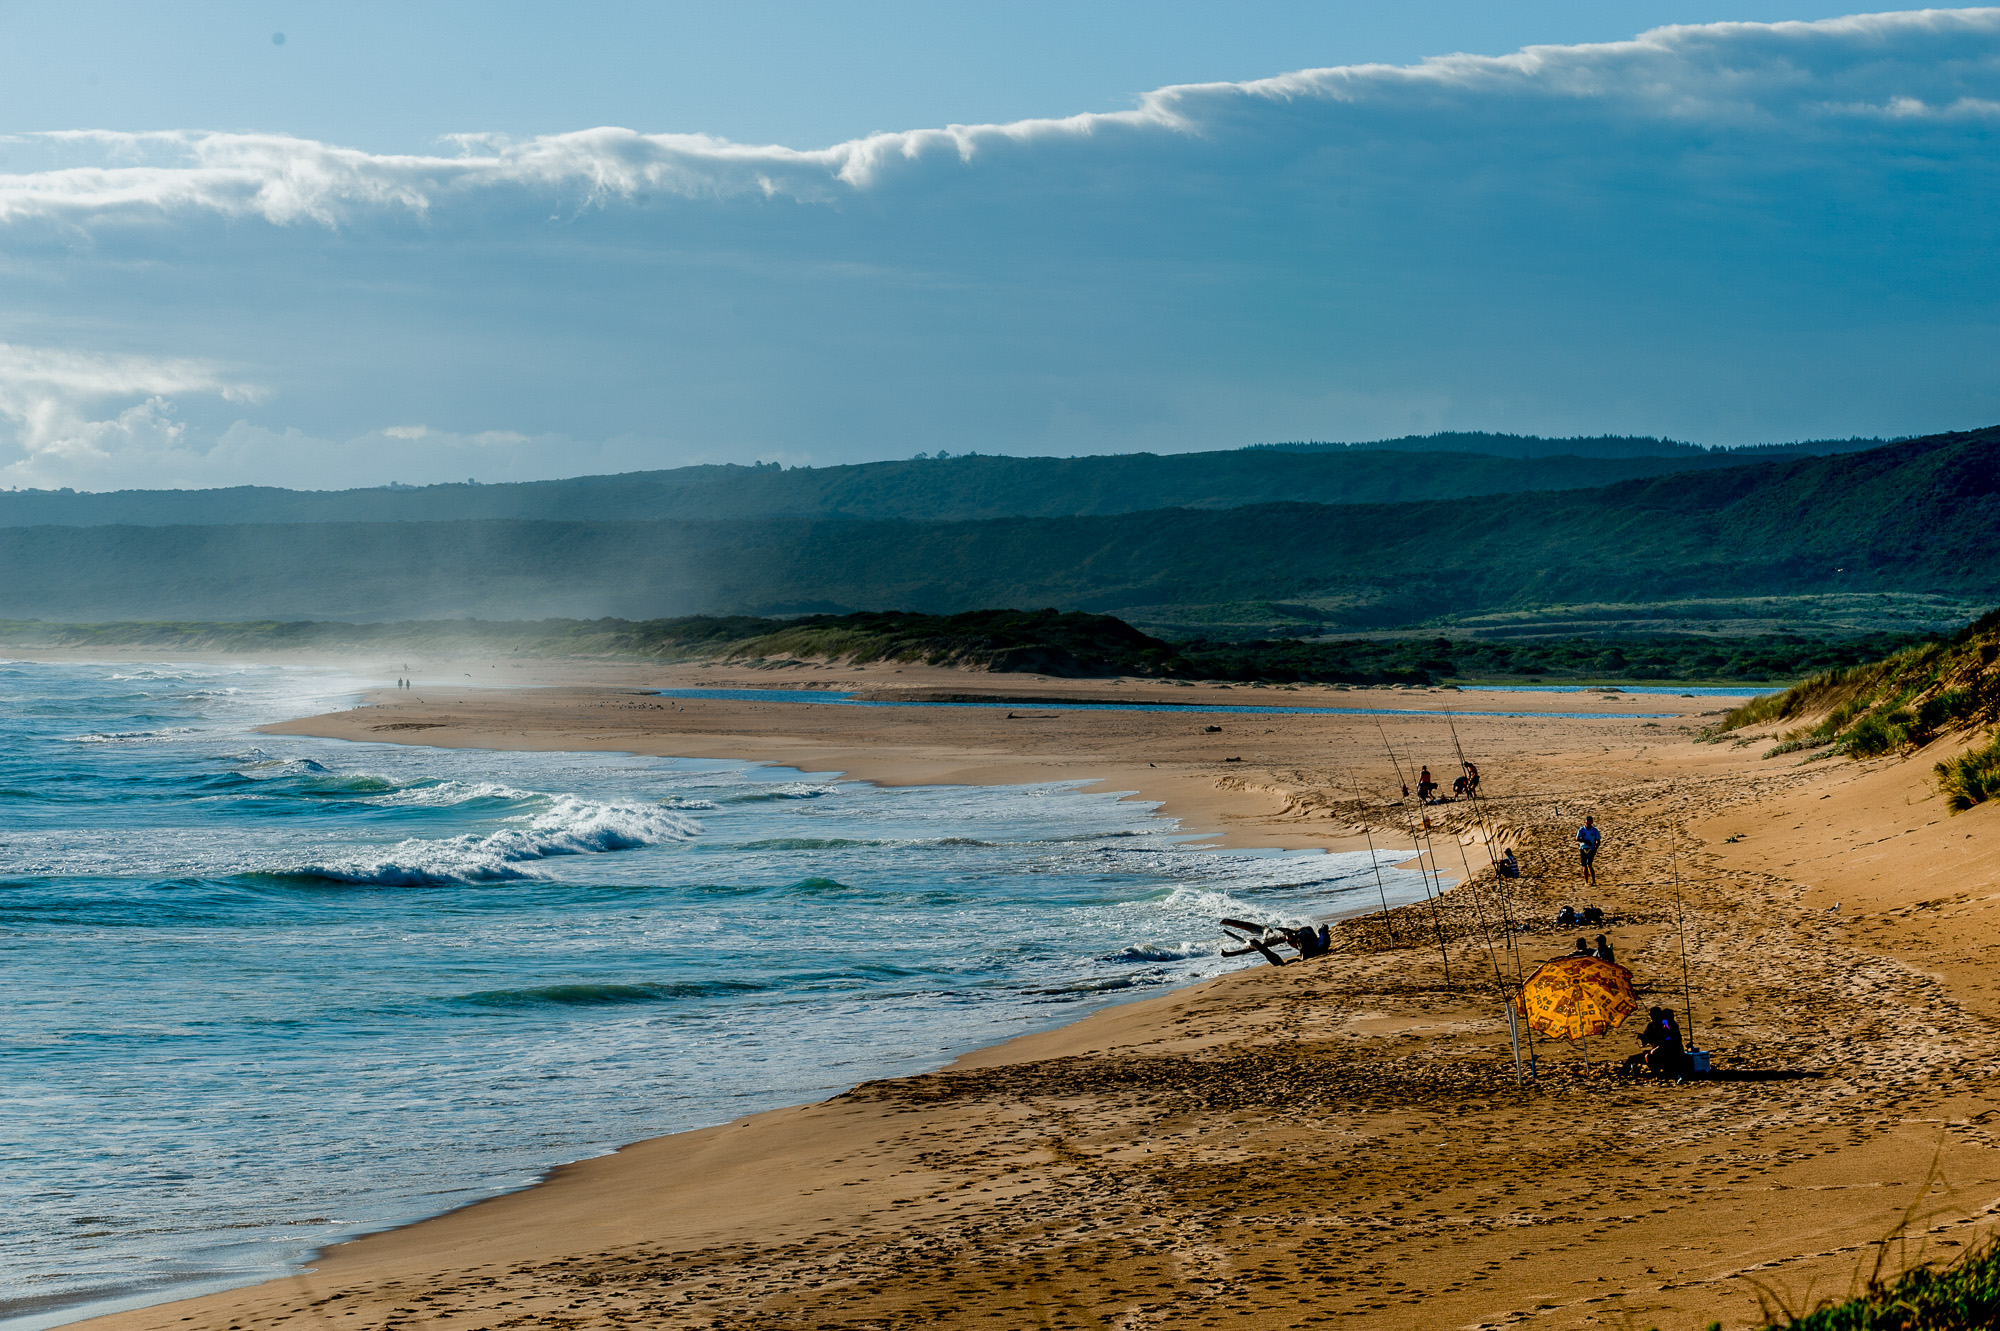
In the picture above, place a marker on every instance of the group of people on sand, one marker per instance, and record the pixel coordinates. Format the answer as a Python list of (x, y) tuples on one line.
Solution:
[(1602, 951), (1569, 917), (1464, 786)]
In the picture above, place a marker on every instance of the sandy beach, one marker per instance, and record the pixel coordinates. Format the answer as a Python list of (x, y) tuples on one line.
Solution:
[(1340, 1141)]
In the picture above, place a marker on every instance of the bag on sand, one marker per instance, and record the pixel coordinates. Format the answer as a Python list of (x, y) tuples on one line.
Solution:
[(1698, 1062)]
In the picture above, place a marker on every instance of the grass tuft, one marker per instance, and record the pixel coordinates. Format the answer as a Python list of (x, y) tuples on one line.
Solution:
[(1971, 778), (1963, 1296)]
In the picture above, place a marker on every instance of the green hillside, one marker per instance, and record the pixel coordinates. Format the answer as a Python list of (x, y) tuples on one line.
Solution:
[(1917, 516), (1047, 642), (944, 489)]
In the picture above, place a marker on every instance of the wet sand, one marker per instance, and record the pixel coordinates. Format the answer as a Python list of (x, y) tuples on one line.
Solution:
[(1335, 1142)]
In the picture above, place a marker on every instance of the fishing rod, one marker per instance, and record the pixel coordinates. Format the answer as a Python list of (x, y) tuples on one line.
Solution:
[(1387, 924), (1479, 909), (1486, 831), (1392, 759), (1437, 916), (1680, 923)]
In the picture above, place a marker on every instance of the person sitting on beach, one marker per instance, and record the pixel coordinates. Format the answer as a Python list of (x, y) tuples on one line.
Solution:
[(1662, 1053), (1566, 917), (1583, 948), (1603, 950), (1591, 916), (1649, 1039), (1310, 942), (1509, 867), (1588, 838)]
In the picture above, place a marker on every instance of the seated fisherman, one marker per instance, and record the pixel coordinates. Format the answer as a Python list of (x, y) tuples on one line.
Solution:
[(1648, 1039), (1509, 867), (1668, 1056), (1583, 948)]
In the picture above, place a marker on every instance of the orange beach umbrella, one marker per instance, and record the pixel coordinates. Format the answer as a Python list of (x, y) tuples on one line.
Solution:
[(1574, 998)]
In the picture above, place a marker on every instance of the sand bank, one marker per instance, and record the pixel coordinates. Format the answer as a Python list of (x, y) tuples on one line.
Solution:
[(1339, 1142)]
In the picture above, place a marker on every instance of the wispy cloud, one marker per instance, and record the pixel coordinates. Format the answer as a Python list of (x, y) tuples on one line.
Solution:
[(71, 413), (1783, 78)]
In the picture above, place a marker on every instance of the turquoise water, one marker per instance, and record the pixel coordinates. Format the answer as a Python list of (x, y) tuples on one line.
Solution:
[(258, 994)]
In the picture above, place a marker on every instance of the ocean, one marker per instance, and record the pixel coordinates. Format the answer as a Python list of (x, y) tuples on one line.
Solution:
[(261, 994)]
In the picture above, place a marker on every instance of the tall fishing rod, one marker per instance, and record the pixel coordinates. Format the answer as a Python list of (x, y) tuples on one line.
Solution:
[(1392, 759), (1387, 924), (1486, 830), (1479, 909), (1680, 922), (1437, 916)]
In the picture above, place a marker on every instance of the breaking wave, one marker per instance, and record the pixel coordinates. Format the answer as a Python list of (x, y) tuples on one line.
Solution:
[(1161, 952), (570, 826)]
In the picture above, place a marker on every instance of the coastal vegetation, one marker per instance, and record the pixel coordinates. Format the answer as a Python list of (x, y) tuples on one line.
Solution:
[(1047, 641), (1901, 702), (1962, 1296)]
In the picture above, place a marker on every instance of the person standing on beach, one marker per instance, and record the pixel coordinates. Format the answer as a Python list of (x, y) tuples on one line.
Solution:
[(1587, 838)]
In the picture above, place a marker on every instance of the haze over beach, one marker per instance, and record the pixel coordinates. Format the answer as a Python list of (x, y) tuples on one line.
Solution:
[(912, 666)]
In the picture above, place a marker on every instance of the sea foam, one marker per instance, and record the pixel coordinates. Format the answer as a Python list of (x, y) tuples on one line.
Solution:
[(569, 826)]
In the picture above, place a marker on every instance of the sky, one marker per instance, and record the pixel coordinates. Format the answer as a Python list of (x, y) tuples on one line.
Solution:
[(326, 245)]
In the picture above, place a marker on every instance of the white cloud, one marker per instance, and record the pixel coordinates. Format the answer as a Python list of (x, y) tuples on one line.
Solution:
[(1781, 78), (54, 401)]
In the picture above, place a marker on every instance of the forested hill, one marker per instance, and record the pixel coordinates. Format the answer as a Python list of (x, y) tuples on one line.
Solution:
[(1921, 515), (944, 489), (1582, 446)]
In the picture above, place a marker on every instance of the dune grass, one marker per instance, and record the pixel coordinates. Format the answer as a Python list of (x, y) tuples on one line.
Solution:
[(1899, 703), (1972, 778), (1962, 1296)]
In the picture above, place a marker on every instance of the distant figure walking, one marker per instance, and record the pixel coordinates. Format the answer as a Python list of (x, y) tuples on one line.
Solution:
[(1603, 950), (1588, 838)]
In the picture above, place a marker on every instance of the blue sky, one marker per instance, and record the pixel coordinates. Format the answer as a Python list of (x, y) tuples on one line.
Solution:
[(428, 242)]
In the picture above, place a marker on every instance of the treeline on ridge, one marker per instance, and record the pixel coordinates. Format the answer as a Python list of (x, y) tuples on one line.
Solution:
[(928, 489), (1047, 642)]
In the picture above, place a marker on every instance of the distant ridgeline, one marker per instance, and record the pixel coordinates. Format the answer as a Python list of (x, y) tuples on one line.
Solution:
[(1045, 642), (1580, 446), (949, 489), (1161, 541)]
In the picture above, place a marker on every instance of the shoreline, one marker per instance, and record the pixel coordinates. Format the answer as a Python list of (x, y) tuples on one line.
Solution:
[(1220, 1145)]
